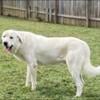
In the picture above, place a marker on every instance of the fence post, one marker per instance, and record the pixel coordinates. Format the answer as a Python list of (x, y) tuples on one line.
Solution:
[(36, 12), (27, 8), (1, 7), (56, 10), (50, 14), (87, 13), (47, 14)]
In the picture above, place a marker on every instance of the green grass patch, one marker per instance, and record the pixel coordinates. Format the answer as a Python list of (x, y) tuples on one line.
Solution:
[(54, 81)]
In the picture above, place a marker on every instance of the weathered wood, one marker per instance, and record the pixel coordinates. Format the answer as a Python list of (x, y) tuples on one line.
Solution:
[(1, 7), (50, 15), (36, 12), (27, 9), (56, 10), (50, 11), (46, 14), (13, 8), (72, 17), (87, 13), (46, 9), (75, 12)]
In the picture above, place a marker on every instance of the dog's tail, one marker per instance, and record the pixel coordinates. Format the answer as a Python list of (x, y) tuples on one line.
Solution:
[(91, 70)]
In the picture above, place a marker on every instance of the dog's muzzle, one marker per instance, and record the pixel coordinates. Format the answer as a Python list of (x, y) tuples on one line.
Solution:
[(5, 44), (9, 48)]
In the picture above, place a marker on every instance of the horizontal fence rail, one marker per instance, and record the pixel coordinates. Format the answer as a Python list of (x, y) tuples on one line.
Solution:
[(73, 12)]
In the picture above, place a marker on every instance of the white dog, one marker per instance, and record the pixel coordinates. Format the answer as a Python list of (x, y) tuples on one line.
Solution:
[(35, 49)]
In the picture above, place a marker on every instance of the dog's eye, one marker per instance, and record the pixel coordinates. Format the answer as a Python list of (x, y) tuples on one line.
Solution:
[(4, 36), (11, 37)]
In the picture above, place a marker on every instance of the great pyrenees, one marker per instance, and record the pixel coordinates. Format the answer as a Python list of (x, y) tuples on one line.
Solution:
[(34, 49)]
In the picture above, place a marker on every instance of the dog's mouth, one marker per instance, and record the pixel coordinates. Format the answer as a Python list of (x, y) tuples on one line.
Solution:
[(9, 48)]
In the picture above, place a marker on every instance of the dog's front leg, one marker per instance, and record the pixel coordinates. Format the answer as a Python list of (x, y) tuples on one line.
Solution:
[(33, 73), (28, 77)]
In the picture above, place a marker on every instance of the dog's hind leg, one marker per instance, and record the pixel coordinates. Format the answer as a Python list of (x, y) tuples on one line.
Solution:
[(74, 62)]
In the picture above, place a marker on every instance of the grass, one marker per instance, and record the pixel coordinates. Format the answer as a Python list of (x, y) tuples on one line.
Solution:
[(54, 81)]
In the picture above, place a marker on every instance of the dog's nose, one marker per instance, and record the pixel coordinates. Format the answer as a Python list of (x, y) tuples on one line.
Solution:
[(5, 44)]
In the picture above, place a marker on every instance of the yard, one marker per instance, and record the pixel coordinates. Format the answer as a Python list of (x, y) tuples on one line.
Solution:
[(54, 81)]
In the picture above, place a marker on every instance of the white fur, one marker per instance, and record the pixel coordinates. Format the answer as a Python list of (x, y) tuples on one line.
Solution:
[(35, 49)]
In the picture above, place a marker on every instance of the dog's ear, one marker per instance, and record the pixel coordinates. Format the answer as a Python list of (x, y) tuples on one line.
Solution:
[(19, 38)]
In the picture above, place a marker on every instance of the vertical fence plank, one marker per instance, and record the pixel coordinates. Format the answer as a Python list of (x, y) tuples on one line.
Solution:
[(50, 11), (47, 15), (56, 10), (46, 11), (87, 12), (36, 12), (27, 8), (1, 7)]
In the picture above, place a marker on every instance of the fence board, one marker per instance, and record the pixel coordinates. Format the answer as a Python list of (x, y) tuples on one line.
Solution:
[(75, 12), (1, 7)]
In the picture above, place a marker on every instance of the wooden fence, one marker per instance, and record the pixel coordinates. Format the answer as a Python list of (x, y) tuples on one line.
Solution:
[(73, 12)]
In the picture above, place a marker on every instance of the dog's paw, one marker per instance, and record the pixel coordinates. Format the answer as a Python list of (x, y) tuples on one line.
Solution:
[(33, 88), (27, 84), (77, 95)]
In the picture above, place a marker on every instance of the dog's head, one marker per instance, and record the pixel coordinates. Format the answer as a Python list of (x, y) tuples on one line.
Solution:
[(11, 40)]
